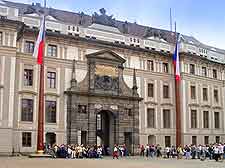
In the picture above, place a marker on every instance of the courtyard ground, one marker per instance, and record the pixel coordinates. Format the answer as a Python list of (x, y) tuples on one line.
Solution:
[(132, 162)]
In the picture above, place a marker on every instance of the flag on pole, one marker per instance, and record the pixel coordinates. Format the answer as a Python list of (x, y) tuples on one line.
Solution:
[(40, 43), (176, 61)]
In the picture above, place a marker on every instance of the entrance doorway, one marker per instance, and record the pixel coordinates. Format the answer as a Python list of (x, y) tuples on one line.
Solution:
[(105, 129), (50, 138)]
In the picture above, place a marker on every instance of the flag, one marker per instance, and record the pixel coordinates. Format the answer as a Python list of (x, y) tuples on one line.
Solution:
[(40, 43), (176, 61)]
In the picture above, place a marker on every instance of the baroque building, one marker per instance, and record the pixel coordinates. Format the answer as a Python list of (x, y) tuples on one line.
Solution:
[(106, 81)]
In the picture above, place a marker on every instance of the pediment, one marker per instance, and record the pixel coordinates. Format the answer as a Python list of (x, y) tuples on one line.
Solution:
[(106, 55)]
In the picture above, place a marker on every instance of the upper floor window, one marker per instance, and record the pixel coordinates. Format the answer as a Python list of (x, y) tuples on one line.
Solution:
[(193, 92), (204, 71), (166, 91), (150, 90), (166, 118), (215, 73), (150, 117), (216, 96), (51, 80), (27, 110), (50, 111), (193, 119), (29, 46), (205, 94), (217, 120), (68, 27), (1, 38), (192, 69), (205, 119), (150, 65), (52, 50), (28, 77), (165, 67)]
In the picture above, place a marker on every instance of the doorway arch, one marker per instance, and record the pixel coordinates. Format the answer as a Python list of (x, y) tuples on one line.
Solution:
[(105, 129)]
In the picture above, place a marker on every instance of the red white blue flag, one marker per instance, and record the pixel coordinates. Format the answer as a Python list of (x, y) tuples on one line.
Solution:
[(40, 43), (176, 61)]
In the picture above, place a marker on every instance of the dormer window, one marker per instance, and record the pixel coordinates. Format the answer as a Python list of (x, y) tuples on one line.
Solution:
[(68, 27), (138, 41), (130, 39), (73, 28), (135, 40), (77, 29)]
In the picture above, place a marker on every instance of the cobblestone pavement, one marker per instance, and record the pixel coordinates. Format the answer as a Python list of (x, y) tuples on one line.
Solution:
[(132, 162)]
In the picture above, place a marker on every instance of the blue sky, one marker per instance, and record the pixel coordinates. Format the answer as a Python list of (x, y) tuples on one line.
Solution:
[(203, 19)]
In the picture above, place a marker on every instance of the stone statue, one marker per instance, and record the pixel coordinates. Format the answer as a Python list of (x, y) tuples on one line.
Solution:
[(103, 18)]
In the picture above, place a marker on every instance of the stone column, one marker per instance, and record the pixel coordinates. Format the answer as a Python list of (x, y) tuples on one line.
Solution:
[(92, 139)]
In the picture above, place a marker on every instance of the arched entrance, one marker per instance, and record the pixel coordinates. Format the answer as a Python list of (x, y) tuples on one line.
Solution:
[(105, 121)]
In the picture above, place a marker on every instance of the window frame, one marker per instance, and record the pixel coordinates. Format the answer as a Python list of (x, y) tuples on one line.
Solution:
[(29, 46), (193, 92), (150, 90), (194, 119), (50, 111), (150, 118), (28, 77), (205, 119), (165, 67), (205, 94), (192, 69), (217, 120), (26, 139), (166, 118), (52, 50), (27, 113), (166, 94), (51, 79)]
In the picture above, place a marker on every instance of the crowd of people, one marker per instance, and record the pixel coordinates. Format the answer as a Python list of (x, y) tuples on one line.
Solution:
[(212, 151), (81, 151)]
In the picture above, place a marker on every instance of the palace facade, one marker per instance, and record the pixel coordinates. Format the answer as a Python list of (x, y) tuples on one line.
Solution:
[(106, 81)]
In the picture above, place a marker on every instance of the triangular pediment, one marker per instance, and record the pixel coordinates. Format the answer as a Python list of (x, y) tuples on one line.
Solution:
[(106, 55)]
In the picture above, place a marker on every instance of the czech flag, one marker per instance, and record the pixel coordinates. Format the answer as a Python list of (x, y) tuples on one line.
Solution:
[(40, 43), (176, 61)]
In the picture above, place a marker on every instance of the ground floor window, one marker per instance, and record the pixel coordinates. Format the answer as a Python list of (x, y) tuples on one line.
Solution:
[(194, 140), (26, 139), (167, 141), (217, 139), (50, 138), (206, 140)]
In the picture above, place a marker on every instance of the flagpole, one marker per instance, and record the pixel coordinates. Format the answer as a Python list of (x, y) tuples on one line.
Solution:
[(177, 97), (40, 133)]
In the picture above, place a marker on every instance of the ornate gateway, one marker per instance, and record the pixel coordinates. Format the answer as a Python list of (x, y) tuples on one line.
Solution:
[(102, 109)]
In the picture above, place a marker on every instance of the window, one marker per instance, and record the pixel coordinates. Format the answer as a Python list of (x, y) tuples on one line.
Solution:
[(205, 94), (215, 73), (26, 139), (150, 65), (217, 139), (204, 71), (68, 27), (52, 50), (206, 140), (1, 38), (73, 28), (99, 123), (165, 91), (216, 97), (217, 120), (194, 140), (150, 90), (192, 69), (193, 92), (166, 118), (205, 119), (193, 119), (128, 111), (151, 118), (29, 46), (167, 141), (51, 80), (27, 110), (50, 111), (82, 109), (28, 77), (165, 67)]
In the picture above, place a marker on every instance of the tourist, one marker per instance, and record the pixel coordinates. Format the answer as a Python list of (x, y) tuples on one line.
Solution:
[(115, 152)]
